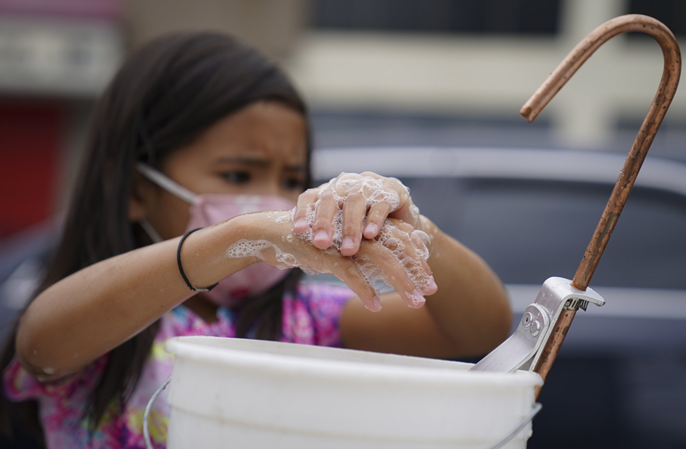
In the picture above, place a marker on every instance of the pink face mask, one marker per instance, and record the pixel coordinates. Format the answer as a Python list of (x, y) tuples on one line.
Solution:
[(208, 209)]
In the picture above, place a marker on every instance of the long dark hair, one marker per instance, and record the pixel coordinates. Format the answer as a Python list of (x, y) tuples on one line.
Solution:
[(162, 98)]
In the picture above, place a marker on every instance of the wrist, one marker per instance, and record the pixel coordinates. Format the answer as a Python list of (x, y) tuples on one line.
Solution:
[(204, 254), (244, 227)]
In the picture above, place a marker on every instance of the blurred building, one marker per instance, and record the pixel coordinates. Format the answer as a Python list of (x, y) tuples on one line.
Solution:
[(376, 72), (55, 59), (457, 72)]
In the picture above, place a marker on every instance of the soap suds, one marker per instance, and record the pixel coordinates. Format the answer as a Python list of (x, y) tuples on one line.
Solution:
[(390, 236), (254, 248)]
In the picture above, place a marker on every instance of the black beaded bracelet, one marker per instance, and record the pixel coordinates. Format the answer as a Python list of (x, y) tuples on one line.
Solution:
[(178, 260)]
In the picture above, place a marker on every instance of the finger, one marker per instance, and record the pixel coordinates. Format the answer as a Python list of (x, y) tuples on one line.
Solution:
[(418, 265), (409, 213), (408, 246), (405, 210), (393, 272), (401, 225), (348, 183), (306, 200), (324, 214), (391, 196), (347, 271), (375, 218), (422, 238), (400, 194), (413, 255), (420, 247), (398, 187), (354, 210)]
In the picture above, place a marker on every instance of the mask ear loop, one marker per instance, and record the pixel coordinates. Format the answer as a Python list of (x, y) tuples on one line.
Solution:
[(166, 183), (183, 274), (152, 233)]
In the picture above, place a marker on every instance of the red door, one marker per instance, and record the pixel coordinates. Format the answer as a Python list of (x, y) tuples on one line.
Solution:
[(31, 139)]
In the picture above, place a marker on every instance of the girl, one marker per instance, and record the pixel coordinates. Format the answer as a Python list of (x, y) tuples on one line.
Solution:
[(198, 129)]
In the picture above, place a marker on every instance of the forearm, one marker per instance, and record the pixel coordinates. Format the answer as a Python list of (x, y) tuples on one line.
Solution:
[(96, 309), (471, 307)]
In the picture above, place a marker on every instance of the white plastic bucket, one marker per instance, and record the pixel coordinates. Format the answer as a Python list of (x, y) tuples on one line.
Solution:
[(253, 394)]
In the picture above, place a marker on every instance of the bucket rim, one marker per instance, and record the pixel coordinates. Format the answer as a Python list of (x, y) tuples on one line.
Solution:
[(195, 348)]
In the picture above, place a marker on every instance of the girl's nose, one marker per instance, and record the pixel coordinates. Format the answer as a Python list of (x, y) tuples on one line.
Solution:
[(272, 186)]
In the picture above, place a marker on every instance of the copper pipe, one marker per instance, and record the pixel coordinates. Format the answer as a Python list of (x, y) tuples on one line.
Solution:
[(639, 149)]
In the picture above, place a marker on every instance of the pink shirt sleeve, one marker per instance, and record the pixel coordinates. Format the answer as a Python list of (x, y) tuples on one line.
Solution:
[(19, 385), (325, 303)]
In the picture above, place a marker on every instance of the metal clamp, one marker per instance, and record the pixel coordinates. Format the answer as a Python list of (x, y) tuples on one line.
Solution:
[(523, 349)]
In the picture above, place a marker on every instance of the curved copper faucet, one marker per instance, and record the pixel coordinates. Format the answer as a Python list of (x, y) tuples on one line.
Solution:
[(627, 176)]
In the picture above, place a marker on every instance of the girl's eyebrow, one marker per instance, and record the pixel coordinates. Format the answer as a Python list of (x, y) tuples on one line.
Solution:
[(245, 160), (258, 162)]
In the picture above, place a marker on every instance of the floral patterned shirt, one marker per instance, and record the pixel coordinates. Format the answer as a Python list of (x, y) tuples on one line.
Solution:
[(311, 316)]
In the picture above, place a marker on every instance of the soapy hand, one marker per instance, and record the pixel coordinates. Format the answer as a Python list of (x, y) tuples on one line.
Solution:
[(351, 206), (397, 256)]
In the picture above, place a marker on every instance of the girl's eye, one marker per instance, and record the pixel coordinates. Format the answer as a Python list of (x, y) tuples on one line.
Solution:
[(237, 177), (294, 184)]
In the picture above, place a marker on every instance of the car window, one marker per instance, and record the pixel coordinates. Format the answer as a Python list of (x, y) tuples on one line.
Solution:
[(530, 230)]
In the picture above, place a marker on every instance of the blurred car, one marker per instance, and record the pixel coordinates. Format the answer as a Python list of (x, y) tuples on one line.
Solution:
[(621, 374), (22, 261)]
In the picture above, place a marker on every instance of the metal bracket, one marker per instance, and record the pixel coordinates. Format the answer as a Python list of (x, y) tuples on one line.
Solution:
[(523, 349)]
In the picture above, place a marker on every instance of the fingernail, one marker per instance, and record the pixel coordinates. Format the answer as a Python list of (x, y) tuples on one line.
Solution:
[(301, 223), (321, 237), (371, 228), (375, 306), (417, 298), (431, 285), (347, 243)]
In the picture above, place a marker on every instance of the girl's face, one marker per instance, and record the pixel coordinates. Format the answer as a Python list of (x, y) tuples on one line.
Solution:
[(259, 150)]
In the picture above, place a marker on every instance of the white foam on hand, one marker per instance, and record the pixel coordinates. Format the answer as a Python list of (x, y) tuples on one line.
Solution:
[(254, 248), (390, 236)]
